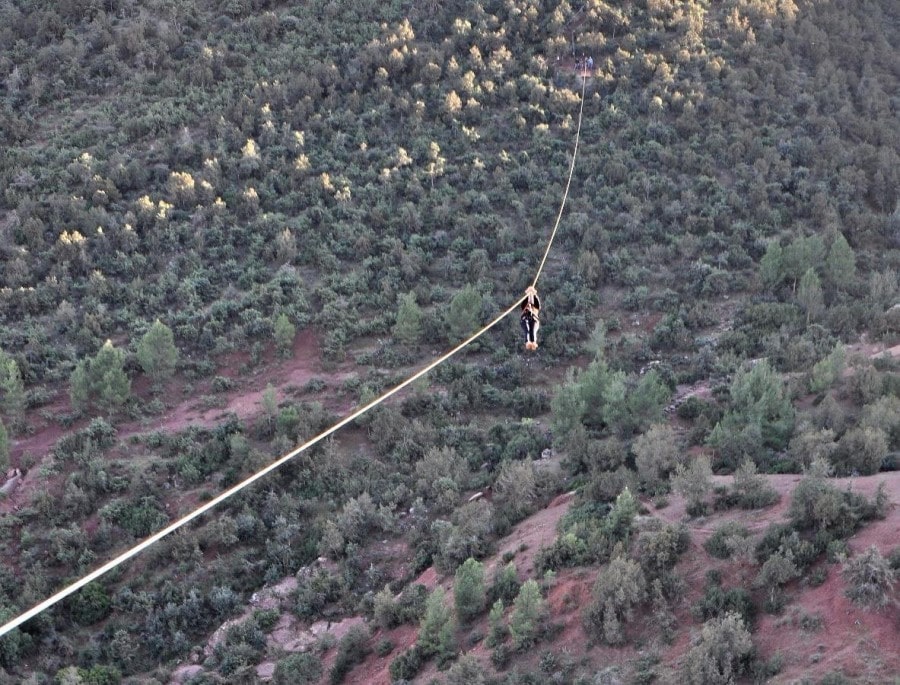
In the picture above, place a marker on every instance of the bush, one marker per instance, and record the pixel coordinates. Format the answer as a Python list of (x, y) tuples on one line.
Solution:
[(466, 671), (298, 669), (717, 601), (407, 665), (658, 551), (506, 583), (352, 649), (870, 578), (717, 544), (720, 652), (619, 588), (751, 490)]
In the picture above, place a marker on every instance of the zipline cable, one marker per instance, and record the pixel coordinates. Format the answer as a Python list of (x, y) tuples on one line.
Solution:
[(568, 183), (196, 513)]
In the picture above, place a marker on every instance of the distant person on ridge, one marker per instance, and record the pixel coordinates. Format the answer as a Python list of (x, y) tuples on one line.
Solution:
[(531, 308)]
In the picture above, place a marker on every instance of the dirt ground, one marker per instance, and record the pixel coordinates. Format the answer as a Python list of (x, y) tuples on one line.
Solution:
[(862, 643)]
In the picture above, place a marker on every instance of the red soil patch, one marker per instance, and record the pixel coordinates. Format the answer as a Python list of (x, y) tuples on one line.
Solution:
[(860, 642), (244, 401)]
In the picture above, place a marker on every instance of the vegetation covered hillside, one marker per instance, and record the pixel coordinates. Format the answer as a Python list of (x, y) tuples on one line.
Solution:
[(225, 224)]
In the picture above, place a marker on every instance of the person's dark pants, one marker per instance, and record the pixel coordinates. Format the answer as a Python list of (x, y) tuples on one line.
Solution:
[(529, 329)]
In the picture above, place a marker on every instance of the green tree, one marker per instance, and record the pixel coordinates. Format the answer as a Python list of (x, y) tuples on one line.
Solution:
[(568, 408), (694, 482), (619, 588), (4, 448), (656, 454), (80, 386), (284, 332), (466, 671), (810, 296), (298, 669), (468, 589), (719, 654), (408, 325), (860, 450), (771, 266), (760, 416), (12, 389), (497, 630), (618, 522), (102, 380), (463, 314), (802, 254), (433, 628), (777, 570), (529, 613), (647, 401), (840, 265), (751, 489), (827, 370), (157, 353), (870, 578), (515, 489)]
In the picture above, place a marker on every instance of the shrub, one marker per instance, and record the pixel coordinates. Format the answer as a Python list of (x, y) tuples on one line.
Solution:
[(717, 601), (752, 490), (406, 666), (656, 454), (297, 669), (694, 483), (352, 649), (466, 671), (658, 551), (506, 583), (869, 577), (719, 654), (717, 543), (619, 587)]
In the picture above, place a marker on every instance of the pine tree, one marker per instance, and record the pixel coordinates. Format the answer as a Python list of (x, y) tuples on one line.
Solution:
[(109, 382), (285, 332), (101, 379), (4, 448), (80, 386), (408, 326), (12, 389), (694, 482), (463, 313), (497, 630), (840, 265), (432, 629), (810, 296), (528, 614), (771, 266), (468, 589), (157, 353)]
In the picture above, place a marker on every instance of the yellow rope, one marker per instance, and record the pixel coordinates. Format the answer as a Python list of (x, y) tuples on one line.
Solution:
[(568, 185), (187, 518)]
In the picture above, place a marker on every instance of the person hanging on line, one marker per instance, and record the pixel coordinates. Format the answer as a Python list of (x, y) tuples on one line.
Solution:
[(531, 308)]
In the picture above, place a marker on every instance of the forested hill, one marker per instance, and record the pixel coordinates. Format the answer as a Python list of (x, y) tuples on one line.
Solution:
[(203, 199)]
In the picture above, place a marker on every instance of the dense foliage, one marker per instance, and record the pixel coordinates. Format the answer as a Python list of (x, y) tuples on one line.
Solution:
[(196, 181)]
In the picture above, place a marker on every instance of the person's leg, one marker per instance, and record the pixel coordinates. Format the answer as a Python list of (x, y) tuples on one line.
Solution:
[(534, 332)]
